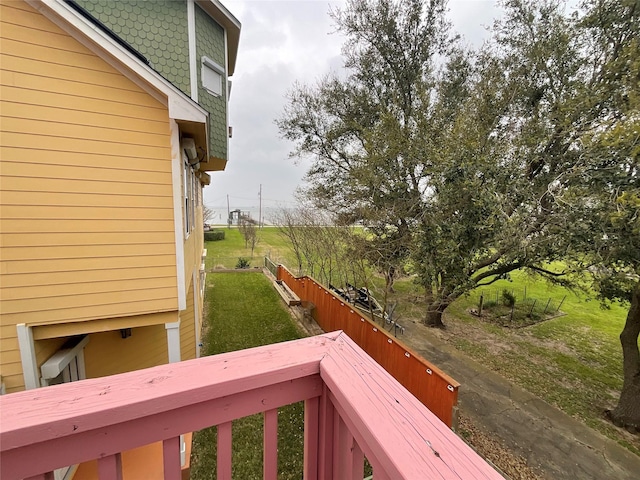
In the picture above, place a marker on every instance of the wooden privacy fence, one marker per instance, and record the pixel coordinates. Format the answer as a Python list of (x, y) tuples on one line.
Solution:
[(434, 388)]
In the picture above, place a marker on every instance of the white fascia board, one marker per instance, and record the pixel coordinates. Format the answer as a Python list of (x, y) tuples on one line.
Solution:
[(181, 107)]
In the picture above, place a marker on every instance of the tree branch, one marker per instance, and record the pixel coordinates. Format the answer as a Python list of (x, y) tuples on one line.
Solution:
[(547, 272), (498, 271)]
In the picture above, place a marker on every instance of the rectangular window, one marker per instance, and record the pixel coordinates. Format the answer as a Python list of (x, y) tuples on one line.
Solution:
[(212, 76)]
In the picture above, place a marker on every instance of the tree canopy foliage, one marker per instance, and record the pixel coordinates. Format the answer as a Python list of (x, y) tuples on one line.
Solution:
[(478, 163)]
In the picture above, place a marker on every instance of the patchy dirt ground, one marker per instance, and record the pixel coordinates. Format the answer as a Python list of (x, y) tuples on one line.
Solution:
[(495, 451)]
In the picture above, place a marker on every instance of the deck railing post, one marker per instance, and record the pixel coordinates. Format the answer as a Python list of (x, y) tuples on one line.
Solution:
[(270, 445), (348, 458), (325, 448), (311, 438), (110, 467), (224, 451), (171, 459)]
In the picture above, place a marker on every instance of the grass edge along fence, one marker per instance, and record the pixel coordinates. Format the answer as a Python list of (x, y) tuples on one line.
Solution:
[(434, 388)]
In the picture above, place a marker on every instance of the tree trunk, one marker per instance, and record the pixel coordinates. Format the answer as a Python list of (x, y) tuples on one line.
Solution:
[(433, 317), (389, 277), (627, 412)]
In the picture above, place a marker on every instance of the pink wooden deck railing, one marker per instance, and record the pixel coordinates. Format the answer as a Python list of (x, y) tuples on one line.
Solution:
[(353, 408)]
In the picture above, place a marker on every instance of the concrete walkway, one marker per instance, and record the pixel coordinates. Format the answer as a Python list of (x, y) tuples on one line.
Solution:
[(551, 441)]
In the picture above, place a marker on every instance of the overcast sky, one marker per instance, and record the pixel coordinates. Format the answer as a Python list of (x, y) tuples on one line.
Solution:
[(282, 42)]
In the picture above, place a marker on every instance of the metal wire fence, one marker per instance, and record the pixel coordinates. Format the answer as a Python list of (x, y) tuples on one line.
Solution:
[(515, 308)]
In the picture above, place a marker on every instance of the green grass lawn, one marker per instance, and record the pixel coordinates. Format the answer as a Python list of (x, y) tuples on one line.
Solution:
[(225, 253), (243, 311), (573, 361)]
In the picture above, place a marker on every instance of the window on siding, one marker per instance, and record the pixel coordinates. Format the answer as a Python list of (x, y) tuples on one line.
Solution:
[(212, 76)]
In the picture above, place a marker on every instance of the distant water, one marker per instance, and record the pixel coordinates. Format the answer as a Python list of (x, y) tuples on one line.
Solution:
[(220, 213)]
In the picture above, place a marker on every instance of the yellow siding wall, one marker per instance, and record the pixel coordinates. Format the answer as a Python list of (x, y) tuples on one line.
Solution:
[(193, 246), (11, 368), (187, 329), (195, 243), (107, 353), (10, 357), (85, 187)]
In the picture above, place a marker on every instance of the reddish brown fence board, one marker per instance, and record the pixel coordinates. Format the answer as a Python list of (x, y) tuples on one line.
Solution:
[(435, 389)]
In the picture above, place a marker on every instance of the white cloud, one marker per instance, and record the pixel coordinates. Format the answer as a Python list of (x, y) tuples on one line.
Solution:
[(282, 42)]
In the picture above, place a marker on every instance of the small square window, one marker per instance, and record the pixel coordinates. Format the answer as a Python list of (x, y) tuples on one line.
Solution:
[(212, 76)]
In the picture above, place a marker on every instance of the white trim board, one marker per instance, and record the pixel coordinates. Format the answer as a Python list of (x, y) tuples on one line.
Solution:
[(181, 107), (178, 220), (28, 356)]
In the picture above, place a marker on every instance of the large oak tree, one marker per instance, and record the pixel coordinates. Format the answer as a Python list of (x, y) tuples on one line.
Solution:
[(512, 157)]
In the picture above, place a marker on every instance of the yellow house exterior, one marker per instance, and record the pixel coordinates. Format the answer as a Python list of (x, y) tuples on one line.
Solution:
[(101, 241)]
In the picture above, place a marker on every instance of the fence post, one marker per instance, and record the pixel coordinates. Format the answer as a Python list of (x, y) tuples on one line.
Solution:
[(480, 306), (561, 302), (545, 308), (532, 306)]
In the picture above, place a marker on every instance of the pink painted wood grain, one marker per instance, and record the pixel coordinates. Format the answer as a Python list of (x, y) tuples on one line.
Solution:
[(325, 447), (110, 467), (224, 451), (171, 459), (353, 405), (42, 476), (367, 398), (270, 445), (134, 407), (311, 438), (357, 466)]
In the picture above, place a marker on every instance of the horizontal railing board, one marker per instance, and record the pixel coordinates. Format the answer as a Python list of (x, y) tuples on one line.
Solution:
[(355, 408), (153, 390)]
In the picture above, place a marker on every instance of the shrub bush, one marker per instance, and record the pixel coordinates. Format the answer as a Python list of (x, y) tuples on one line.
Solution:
[(508, 298), (214, 235), (243, 263)]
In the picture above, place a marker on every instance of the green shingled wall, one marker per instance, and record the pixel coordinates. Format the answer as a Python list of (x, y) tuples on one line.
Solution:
[(158, 29), (155, 28), (210, 43)]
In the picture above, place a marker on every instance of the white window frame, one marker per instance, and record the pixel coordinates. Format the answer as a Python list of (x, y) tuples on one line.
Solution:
[(210, 73)]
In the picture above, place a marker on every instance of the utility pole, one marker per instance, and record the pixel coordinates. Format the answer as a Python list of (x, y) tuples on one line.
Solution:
[(228, 213), (260, 211)]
